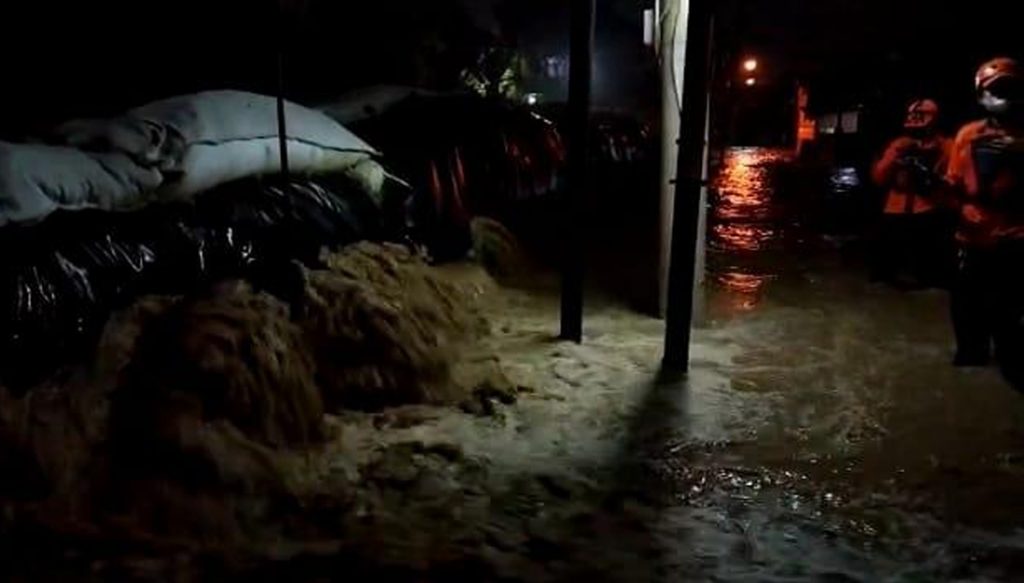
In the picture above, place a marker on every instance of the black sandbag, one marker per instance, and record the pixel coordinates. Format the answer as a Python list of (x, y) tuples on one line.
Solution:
[(253, 229), (466, 156), (62, 277), (57, 283)]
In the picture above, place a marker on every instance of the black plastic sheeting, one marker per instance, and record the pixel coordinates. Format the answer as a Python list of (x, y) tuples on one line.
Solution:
[(466, 157), (61, 279)]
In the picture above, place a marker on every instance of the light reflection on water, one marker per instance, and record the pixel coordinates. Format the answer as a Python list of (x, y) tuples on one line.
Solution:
[(745, 290), (741, 237), (746, 219), (744, 184)]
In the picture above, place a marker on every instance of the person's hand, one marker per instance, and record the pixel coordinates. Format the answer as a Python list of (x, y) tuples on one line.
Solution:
[(972, 214), (903, 145)]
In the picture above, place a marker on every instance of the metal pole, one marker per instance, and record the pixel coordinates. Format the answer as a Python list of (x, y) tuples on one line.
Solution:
[(689, 182), (282, 123), (578, 129)]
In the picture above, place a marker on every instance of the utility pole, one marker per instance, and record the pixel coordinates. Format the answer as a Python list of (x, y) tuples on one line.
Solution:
[(685, 206), (574, 218), (671, 19)]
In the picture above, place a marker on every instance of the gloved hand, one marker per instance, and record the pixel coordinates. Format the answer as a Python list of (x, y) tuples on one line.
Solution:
[(904, 145)]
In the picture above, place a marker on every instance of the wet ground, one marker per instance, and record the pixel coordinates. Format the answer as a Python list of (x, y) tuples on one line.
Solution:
[(869, 454), (822, 435)]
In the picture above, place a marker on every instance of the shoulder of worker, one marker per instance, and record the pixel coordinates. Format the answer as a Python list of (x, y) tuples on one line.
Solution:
[(944, 144)]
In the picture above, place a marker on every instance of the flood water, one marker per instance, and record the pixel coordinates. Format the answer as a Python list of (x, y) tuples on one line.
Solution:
[(821, 435), (863, 454)]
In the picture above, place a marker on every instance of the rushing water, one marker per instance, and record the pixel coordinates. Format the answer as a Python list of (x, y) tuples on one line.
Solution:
[(873, 458)]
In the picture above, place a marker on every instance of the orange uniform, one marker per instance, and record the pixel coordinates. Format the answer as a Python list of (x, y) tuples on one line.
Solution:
[(993, 200), (906, 194), (986, 172)]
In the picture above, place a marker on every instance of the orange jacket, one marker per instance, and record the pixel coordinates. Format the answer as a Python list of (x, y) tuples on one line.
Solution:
[(984, 219), (906, 197)]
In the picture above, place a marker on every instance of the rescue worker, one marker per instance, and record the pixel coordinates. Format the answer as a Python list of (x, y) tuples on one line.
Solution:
[(987, 173), (913, 245)]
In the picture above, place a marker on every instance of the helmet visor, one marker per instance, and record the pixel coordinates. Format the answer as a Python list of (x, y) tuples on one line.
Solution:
[(1008, 88)]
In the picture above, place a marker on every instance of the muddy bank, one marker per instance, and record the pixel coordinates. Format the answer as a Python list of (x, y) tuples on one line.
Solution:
[(820, 436), (762, 465), (201, 426), (556, 475)]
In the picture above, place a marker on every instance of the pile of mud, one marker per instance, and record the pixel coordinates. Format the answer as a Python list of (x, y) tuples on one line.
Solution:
[(233, 356), (498, 249), (194, 423), (387, 330)]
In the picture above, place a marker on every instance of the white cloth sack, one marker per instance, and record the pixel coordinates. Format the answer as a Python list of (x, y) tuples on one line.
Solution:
[(36, 180), (203, 140)]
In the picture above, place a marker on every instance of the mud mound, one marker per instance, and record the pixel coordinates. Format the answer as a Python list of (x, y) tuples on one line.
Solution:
[(185, 436), (216, 396), (386, 329), (497, 249), (47, 439), (234, 356), (117, 343)]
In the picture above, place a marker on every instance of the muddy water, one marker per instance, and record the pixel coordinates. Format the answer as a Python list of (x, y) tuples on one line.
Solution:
[(820, 436), (866, 456)]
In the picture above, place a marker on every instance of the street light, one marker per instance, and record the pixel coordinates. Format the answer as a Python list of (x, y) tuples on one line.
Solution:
[(750, 82), (750, 65)]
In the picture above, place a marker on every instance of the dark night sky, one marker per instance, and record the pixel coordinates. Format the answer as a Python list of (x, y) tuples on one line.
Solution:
[(68, 57), (879, 51)]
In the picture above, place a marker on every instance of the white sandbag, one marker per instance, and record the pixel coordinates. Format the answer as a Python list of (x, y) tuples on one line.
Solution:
[(208, 165), (370, 176), (209, 138), (147, 143), (36, 180)]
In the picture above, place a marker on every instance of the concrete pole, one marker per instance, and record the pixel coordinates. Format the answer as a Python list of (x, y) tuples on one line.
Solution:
[(672, 17), (674, 20), (687, 199)]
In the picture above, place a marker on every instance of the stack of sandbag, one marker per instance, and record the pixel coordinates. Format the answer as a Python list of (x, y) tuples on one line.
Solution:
[(175, 148), (203, 140), (36, 180), (167, 198), (71, 270)]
